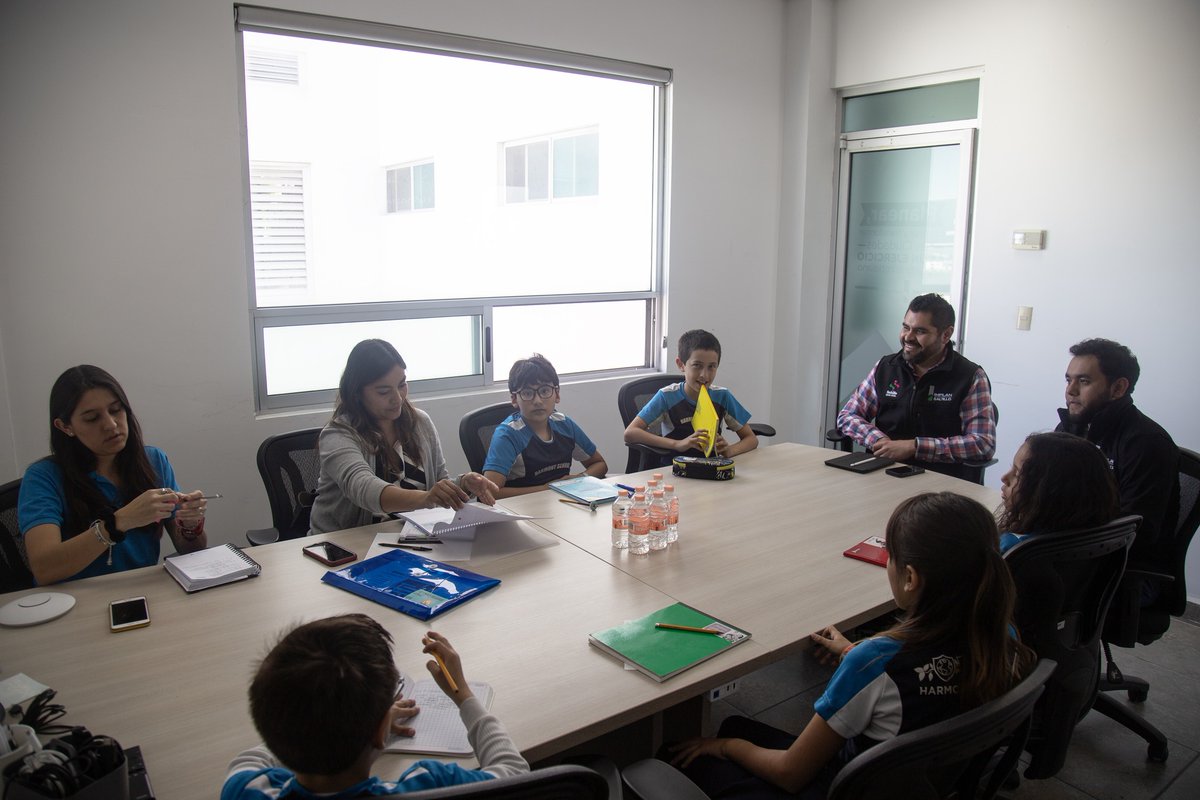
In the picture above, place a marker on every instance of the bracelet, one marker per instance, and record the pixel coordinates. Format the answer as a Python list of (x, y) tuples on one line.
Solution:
[(103, 540)]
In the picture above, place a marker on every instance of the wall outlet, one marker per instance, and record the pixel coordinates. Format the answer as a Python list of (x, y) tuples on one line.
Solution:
[(721, 692)]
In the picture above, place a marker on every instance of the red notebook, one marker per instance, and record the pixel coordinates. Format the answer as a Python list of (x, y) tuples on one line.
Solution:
[(872, 549)]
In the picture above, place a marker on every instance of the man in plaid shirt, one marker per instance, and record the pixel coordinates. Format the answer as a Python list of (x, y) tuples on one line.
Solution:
[(925, 404)]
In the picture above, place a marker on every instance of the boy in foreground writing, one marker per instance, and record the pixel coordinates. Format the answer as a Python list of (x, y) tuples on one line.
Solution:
[(324, 702)]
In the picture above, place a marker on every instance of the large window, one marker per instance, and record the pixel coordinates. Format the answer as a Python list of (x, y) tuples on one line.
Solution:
[(544, 232)]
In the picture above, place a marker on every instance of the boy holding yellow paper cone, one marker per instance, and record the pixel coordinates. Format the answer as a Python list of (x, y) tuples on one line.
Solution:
[(687, 417)]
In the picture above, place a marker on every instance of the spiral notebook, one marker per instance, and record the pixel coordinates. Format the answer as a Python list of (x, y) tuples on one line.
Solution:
[(438, 729), (441, 521), (213, 566)]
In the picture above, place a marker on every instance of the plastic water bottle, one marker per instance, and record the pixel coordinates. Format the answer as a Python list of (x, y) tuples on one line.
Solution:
[(620, 520), (639, 525), (672, 513), (658, 478), (658, 521)]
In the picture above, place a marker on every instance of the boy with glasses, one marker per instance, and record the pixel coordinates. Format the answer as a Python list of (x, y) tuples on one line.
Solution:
[(537, 444)]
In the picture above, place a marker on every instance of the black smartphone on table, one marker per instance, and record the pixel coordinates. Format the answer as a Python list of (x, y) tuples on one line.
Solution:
[(329, 554), (904, 471)]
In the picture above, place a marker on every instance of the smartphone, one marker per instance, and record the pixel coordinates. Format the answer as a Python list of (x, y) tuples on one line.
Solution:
[(904, 471), (127, 614), (329, 553)]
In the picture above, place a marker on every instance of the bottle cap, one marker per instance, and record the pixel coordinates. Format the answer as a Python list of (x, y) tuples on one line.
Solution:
[(622, 493), (658, 492), (658, 476), (670, 487), (639, 497)]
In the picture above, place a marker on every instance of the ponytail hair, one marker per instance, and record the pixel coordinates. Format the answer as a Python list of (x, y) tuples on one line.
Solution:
[(966, 590), (369, 361)]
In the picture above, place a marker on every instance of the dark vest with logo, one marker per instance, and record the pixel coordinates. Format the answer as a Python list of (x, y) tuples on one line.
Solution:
[(930, 406)]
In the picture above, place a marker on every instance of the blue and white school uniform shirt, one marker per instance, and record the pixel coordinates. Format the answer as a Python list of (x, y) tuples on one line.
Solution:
[(525, 460), (669, 413)]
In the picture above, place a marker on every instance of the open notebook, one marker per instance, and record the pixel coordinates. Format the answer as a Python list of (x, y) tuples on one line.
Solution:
[(439, 728)]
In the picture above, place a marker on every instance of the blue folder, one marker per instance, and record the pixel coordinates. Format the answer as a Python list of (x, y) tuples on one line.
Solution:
[(403, 580)]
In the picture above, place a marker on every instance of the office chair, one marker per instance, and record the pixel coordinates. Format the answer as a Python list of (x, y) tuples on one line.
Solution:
[(632, 397), (1131, 623), (968, 470), (289, 464), (1065, 584), (949, 757), (14, 567), (475, 432), (561, 782)]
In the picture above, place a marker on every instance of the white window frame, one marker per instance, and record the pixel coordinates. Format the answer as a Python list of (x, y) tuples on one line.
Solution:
[(551, 164), (253, 18), (412, 186)]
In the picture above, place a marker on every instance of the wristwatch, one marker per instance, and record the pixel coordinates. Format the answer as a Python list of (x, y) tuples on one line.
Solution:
[(115, 535)]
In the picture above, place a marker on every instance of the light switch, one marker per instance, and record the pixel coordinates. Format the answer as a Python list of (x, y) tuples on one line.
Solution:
[(1028, 240), (1024, 317)]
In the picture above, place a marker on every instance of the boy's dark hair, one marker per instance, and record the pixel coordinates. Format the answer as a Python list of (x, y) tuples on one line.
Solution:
[(531, 371), (320, 694), (1116, 360), (941, 313), (698, 339)]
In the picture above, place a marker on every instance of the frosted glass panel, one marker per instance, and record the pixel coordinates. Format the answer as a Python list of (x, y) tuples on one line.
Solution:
[(941, 102), (900, 243)]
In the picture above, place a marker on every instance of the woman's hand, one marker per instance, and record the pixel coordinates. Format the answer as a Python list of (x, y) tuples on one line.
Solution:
[(152, 505), (687, 752), (190, 512), (402, 711), (833, 645), (445, 494), (483, 489)]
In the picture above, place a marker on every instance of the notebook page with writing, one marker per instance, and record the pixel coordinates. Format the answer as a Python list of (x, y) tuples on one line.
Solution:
[(439, 728)]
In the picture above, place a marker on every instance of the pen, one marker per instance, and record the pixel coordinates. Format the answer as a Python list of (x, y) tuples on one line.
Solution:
[(209, 496), (865, 460), (629, 489), (406, 546), (669, 627), (445, 672), (420, 540)]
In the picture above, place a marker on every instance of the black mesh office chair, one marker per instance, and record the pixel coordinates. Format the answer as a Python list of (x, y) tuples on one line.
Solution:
[(14, 568), (289, 464), (954, 756), (632, 397), (562, 782), (968, 470), (1065, 583), (1130, 623), (475, 432)]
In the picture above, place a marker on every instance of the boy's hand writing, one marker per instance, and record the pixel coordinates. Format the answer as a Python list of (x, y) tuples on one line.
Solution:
[(437, 645), (403, 710), (832, 645)]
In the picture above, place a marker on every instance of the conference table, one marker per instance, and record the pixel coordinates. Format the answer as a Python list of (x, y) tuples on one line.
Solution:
[(762, 552)]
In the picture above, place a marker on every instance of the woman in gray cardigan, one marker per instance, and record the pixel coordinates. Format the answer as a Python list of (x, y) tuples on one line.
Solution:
[(379, 453)]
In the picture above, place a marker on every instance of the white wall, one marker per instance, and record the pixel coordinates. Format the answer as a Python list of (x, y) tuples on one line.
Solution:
[(122, 237), (1083, 103)]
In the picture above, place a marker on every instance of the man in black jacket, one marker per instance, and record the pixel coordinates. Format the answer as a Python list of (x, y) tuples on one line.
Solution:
[(1144, 458)]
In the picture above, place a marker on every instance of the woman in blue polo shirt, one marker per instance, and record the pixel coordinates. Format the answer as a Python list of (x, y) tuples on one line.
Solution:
[(101, 501)]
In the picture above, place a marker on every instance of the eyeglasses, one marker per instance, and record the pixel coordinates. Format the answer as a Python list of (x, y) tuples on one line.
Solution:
[(544, 392)]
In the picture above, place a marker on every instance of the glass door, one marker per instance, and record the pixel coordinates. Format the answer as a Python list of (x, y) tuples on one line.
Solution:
[(902, 231)]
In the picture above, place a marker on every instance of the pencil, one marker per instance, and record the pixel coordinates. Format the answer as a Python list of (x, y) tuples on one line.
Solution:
[(446, 672), (669, 627), (404, 546), (577, 503)]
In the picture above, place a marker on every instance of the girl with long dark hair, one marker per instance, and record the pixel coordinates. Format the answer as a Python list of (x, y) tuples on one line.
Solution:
[(380, 453), (1057, 482), (99, 503), (950, 652)]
